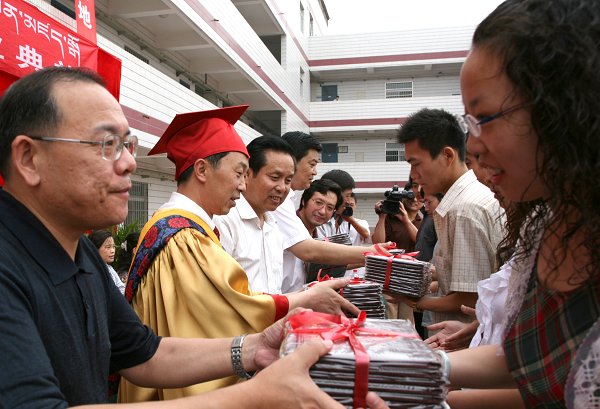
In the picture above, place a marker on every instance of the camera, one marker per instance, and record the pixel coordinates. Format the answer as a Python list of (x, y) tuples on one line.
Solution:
[(347, 212), (391, 204)]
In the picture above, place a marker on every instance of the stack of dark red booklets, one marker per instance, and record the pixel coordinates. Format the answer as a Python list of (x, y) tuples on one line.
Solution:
[(403, 370)]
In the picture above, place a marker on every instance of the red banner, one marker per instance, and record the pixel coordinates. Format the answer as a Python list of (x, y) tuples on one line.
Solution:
[(86, 19), (31, 40)]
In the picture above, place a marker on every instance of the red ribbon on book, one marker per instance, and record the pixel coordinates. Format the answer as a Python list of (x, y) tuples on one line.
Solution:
[(390, 260), (353, 280), (340, 328)]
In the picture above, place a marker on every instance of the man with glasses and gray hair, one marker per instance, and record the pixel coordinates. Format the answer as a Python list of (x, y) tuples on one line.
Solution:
[(64, 325)]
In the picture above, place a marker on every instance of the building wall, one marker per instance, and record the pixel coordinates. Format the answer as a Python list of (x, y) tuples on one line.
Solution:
[(152, 89), (426, 86), (333, 116), (390, 43), (361, 148)]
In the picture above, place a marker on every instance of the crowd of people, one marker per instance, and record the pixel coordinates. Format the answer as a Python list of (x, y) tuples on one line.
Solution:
[(502, 201)]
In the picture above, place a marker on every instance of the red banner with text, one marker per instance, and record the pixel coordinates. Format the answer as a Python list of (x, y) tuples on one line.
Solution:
[(31, 40), (86, 19)]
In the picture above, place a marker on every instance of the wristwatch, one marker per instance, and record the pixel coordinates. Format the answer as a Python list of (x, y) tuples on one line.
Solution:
[(236, 357)]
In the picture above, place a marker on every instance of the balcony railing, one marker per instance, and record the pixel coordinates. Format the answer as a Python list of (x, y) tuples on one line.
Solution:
[(371, 177), (376, 112)]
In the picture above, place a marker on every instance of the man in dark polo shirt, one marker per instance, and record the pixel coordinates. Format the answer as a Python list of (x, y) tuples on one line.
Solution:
[(66, 154)]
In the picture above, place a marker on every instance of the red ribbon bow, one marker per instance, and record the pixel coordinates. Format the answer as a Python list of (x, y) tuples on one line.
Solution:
[(319, 278), (341, 328)]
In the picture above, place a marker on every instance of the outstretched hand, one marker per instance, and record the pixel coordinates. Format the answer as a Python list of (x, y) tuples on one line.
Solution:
[(453, 335), (323, 297), (287, 383), (266, 349), (445, 329), (382, 248)]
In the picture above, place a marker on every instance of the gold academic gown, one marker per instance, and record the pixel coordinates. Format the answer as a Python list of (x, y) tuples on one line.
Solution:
[(194, 289)]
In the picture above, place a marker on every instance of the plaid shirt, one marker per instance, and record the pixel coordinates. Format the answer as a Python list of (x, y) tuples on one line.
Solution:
[(468, 222), (539, 346)]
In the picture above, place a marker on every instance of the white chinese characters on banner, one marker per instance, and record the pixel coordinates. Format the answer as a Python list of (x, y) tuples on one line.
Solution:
[(30, 40), (84, 15), (29, 57), (9, 11)]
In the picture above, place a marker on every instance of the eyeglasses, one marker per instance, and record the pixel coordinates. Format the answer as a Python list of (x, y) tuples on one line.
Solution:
[(320, 204), (469, 124), (112, 145)]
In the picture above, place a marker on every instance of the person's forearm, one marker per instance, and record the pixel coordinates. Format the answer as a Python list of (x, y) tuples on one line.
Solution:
[(493, 398), (481, 367), (379, 231), (364, 233), (316, 251), (233, 397), (411, 229), (447, 303), (180, 362)]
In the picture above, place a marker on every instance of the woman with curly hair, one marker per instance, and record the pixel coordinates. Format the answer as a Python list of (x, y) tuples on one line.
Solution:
[(531, 89)]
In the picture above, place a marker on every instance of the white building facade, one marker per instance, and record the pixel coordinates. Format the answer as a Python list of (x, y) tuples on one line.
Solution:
[(191, 55)]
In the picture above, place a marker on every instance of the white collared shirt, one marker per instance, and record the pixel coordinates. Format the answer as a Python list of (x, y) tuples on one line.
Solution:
[(179, 201), (330, 228), (258, 249), (293, 232)]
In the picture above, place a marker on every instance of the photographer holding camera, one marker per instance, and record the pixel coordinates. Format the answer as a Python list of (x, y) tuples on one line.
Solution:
[(399, 218), (399, 221), (343, 221)]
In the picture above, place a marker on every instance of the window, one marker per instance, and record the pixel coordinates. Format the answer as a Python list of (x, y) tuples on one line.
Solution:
[(311, 26), (138, 203), (301, 18), (394, 152), (301, 83), (399, 89), (343, 149)]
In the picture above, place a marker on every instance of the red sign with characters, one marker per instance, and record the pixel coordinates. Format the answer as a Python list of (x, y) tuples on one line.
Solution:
[(31, 40), (85, 14)]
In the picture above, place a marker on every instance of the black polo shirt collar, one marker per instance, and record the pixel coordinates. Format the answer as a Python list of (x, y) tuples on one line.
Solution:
[(41, 244)]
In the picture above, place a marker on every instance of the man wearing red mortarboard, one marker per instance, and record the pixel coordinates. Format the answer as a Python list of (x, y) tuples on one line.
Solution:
[(181, 282)]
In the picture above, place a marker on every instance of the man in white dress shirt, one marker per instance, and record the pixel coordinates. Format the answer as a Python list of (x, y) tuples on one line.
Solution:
[(249, 231), (299, 246)]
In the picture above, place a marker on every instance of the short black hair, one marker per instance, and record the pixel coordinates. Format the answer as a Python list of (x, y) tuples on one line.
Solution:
[(212, 159), (322, 186), (258, 147), (301, 143), (341, 177), (434, 129), (28, 106)]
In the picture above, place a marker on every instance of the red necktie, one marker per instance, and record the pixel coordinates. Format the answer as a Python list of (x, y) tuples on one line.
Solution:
[(217, 233)]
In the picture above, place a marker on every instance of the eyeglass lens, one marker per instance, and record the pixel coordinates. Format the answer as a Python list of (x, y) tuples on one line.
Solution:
[(112, 146)]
